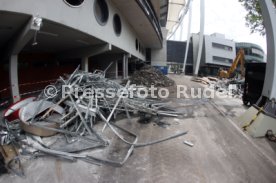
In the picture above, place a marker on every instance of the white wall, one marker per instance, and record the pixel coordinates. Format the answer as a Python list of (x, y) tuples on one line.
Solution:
[(211, 51), (159, 56), (81, 18)]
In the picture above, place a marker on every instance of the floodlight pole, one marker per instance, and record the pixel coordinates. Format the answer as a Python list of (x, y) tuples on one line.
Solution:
[(201, 36), (188, 38)]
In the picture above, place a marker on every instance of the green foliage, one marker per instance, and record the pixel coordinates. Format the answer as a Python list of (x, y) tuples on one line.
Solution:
[(254, 19)]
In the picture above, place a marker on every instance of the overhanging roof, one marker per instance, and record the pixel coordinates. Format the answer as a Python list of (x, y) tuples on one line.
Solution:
[(163, 11), (174, 13)]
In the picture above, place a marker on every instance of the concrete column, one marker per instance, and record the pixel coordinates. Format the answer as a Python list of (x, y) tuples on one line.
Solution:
[(15, 47), (125, 67), (13, 67), (159, 56), (116, 69), (84, 64)]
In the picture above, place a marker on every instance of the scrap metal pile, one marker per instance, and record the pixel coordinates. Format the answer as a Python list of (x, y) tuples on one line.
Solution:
[(63, 121), (149, 75)]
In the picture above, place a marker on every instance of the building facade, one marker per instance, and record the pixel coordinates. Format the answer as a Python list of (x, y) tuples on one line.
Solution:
[(253, 53), (218, 52), (41, 40), (175, 56)]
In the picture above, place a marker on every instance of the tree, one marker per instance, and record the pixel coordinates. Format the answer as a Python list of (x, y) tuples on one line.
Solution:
[(254, 19)]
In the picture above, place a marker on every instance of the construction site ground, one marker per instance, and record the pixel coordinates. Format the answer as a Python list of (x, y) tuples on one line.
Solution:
[(222, 152)]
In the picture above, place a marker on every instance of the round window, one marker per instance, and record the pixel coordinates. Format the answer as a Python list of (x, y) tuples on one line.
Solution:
[(101, 11), (117, 25), (74, 3)]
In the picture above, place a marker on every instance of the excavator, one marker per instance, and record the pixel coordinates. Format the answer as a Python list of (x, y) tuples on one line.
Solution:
[(239, 59)]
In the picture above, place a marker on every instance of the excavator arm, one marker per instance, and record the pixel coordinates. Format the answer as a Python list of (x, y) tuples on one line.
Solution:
[(239, 59)]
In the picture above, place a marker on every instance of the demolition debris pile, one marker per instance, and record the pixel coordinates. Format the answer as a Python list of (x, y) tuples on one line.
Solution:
[(148, 76), (61, 125), (232, 87)]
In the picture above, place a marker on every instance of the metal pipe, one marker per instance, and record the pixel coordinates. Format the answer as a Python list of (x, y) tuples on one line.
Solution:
[(78, 111), (116, 104), (69, 121)]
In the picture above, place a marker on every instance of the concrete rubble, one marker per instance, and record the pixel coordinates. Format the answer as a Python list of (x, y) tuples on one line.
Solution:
[(148, 76), (63, 125)]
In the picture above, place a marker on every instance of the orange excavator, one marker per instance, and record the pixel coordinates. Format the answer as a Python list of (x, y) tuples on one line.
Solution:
[(239, 59)]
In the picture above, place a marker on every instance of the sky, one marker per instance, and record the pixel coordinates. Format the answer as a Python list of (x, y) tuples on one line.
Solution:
[(221, 16)]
